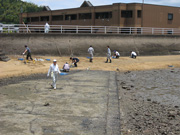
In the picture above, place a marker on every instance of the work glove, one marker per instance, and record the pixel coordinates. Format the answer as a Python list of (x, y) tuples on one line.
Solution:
[(23, 53)]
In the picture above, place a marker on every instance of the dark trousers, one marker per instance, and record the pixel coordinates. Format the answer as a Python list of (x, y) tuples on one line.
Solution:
[(75, 64), (133, 56), (29, 55)]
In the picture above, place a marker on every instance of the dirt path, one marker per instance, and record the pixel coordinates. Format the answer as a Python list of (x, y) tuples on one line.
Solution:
[(18, 68)]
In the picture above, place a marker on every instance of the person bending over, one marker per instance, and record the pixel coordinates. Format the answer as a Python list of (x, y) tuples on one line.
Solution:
[(133, 55), (74, 60)]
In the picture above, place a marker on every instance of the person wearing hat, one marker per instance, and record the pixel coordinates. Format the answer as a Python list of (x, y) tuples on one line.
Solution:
[(54, 71), (91, 51), (28, 52)]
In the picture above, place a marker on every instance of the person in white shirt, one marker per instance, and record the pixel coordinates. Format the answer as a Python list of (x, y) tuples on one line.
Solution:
[(108, 54), (46, 28), (54, 71), (66, 67), (133, 54), (91, 51), (116, 54)]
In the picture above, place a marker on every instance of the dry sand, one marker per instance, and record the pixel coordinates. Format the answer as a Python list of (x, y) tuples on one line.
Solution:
[(14, 67)]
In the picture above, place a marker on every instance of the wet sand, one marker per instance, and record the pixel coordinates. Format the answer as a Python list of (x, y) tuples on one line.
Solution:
[(18, 68)]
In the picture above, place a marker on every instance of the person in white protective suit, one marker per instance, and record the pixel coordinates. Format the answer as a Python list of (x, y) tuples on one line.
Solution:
[(46, 28), (91, 51), (54, 71), (108, 55)]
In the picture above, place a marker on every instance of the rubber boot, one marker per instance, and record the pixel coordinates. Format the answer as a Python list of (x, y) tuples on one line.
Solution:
[(106, 61), (90, 60), (110, 61)]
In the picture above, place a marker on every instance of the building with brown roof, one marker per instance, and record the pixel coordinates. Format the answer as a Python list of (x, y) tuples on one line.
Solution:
[(117, 14)]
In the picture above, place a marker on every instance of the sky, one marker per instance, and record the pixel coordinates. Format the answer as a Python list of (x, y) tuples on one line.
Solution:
[(64, 4)]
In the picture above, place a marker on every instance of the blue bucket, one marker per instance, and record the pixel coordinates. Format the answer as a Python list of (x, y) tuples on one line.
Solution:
[(88, 57), (48, 59), (63, 73), (21, 59)]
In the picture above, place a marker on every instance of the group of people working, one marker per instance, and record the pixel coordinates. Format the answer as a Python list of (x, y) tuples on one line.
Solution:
[(54, 69)]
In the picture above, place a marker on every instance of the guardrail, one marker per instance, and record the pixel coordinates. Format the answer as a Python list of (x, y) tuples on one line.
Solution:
[(22, 28)]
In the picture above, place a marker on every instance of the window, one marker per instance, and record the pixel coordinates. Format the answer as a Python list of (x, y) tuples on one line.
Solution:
[(71, 17), (126, 13), (85, 16), (104, 15), (44, 18), (35, 19), (139, 13), (170, 16), (57, 18)]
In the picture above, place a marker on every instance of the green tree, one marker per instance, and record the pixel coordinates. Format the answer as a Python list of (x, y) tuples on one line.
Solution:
[(10, 10)]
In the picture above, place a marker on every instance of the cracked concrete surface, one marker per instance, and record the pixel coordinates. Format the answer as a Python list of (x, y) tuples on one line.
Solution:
[(85, 103)]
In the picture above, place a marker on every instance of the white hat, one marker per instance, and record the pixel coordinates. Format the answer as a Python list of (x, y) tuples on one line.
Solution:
[(54, 60)]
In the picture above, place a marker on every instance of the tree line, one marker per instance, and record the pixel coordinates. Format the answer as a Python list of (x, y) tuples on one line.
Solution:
[(11, 9)]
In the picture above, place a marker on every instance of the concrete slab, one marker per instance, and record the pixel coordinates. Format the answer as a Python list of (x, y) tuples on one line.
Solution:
[(85, 103)]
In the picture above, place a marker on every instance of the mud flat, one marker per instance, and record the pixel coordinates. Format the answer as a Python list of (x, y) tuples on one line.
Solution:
[(150, 102), (85, 102), (92, 103)]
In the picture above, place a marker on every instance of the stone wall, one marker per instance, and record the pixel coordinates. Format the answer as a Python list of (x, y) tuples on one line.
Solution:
[(77, 44)]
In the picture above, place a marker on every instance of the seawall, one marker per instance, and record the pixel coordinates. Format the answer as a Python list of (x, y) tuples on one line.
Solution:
[(77, 44)]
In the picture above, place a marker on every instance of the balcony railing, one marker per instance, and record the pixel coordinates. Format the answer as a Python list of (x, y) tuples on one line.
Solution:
[(22, 28)]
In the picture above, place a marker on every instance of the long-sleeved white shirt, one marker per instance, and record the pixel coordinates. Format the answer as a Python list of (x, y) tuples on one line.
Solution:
[(133, 53), (109, 51), (53, 68), (117, 53), (91, 50)]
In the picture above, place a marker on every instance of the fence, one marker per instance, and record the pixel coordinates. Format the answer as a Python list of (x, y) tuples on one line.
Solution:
[(22, 28)]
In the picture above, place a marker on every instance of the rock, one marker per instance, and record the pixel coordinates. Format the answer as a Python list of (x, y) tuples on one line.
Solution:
[(172, 113), (124, 87), (154, 102), (123, 83), (46, 104), (176, 106)]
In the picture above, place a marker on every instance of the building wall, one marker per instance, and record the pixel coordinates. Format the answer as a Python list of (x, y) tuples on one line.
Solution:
[(152, 16), (48, 44), (157, 16)]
